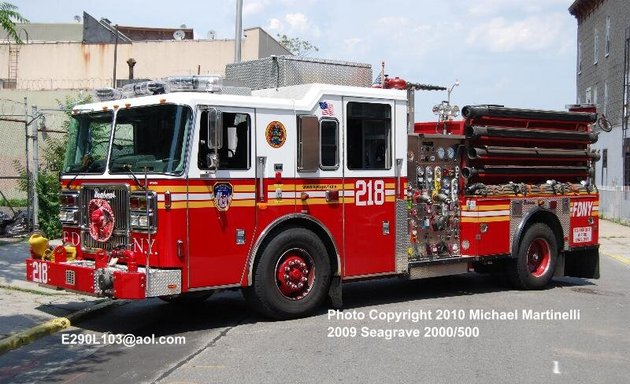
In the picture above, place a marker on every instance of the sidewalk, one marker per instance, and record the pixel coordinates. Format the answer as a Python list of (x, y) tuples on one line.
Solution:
[(614, 240), (23, 304)]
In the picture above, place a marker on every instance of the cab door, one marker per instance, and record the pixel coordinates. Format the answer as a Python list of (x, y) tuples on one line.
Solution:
[(370, 173), (221, 199)]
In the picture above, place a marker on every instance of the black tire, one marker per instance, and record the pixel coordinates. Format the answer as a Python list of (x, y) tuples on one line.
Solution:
[(290, 257), (188, 298), (536, 259)]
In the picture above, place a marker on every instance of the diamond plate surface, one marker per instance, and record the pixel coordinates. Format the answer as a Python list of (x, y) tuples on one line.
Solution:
[(284, 71), (437, 270), (161, 282), (564, 215), (402, 236)]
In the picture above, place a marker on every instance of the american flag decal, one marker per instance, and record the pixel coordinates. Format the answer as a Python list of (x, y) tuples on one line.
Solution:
[(327, 108)]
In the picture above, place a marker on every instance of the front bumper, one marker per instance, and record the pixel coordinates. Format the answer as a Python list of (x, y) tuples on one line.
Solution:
[(110, 281)]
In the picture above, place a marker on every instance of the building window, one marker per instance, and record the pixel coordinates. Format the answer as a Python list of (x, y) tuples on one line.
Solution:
[(587, 96), (607, 48), (595, 94), (595, 46), (579, 58)]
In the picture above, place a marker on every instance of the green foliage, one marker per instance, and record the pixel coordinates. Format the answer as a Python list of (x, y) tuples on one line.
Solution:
[(13, 203), (9, 16), (296, 45)]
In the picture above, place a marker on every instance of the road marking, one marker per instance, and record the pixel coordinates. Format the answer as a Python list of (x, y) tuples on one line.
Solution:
[(556, 367), (74, 378), (619, 258)]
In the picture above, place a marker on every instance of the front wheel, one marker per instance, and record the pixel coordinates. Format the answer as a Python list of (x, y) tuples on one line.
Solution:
[(536, 259), (292, 275)]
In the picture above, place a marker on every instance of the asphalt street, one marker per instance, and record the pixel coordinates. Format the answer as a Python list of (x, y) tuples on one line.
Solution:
[(226, 342)]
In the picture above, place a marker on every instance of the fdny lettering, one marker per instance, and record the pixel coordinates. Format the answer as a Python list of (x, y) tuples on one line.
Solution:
[(581, 208), (103, 195), (71, 238), (140, 245)]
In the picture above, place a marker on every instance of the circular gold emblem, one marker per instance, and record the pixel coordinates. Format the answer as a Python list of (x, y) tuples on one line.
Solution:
[(276, 134)]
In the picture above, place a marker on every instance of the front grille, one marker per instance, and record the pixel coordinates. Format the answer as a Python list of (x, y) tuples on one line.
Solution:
[(118, 198)]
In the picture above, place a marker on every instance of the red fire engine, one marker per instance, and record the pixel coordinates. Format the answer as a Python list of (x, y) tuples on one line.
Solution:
[(179, 188)]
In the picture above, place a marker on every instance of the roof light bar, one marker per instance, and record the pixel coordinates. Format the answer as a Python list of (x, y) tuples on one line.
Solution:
[(144, 88), (106, 94), (208, 83)]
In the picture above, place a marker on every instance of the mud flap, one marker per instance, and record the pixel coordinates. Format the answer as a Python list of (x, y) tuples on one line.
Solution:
[(582, 263), (334, 292)]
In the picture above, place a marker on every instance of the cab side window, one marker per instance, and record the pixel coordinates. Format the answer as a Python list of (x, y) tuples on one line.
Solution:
[(235, 150), (369, 136)]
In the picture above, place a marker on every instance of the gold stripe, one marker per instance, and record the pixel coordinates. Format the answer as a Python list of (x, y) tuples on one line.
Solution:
[(390, 185), (501, 207), (485, 219)]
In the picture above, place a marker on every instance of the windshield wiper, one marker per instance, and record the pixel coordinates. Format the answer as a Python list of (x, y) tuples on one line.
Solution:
[(72, 180), (127, 168)]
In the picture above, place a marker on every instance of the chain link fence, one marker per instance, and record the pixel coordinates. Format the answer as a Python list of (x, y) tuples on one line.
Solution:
[(614, 203), (25, 132)]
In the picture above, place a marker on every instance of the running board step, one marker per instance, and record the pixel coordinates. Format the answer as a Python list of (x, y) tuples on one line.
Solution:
[(436, 270)]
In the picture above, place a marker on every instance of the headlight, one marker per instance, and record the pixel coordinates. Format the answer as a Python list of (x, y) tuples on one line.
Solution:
[(68, 199), (143, 211), (69, 216), (141, 221)]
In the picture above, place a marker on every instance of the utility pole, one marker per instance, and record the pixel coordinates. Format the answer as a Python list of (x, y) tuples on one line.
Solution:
[(34, 134), (238, 33), (115, 55)]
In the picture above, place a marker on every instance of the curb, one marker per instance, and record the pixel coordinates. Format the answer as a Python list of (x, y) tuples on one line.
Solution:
[(54, 325)]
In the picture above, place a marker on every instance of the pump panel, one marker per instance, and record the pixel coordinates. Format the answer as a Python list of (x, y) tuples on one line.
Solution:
[(434, 182)]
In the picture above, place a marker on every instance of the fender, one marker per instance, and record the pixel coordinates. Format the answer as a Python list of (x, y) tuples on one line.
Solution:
[(251, 258), (518, 233)]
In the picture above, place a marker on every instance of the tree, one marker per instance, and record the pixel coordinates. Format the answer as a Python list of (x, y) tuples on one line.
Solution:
[(297, 46), (9, 15)]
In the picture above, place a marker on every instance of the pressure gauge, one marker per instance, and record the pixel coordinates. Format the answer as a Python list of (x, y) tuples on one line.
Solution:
[(420, 171), (441, 152), (446, 183), (450, 153), (429, 172)]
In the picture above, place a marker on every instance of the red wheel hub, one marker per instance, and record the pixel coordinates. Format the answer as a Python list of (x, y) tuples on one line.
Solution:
[(538, 257), (294, 275)]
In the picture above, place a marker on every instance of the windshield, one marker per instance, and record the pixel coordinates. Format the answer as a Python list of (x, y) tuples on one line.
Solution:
[(151, 139), (88, 143)]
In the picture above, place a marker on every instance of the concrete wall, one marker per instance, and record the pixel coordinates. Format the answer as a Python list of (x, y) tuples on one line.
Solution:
[(73, 65)]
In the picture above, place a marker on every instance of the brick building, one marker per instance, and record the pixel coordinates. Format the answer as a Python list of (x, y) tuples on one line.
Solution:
[(602, 77)]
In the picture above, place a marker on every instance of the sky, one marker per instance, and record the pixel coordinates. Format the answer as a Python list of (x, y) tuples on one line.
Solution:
[(517, 53)]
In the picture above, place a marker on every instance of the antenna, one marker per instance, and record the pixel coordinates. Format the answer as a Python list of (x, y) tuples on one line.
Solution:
[(179, 35), (212, 34)]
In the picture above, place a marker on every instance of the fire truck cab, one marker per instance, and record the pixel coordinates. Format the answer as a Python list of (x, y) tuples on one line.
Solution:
[(180, 188)]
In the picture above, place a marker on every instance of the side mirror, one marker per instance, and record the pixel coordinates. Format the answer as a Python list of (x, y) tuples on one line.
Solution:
[(210, 144), (215, 129)]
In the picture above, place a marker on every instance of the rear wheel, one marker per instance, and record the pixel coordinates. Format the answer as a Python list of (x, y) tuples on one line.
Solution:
[(292, 275), (535, 262)]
